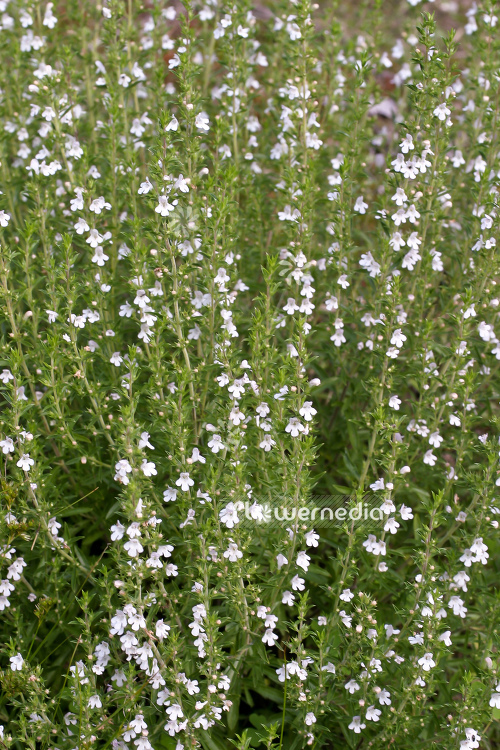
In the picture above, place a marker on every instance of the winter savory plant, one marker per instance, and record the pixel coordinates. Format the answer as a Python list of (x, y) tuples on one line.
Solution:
[(249, 266)]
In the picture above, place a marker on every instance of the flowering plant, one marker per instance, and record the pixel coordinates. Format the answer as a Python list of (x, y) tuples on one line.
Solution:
[(248, 258)]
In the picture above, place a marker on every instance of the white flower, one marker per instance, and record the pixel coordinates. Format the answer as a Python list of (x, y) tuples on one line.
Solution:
[(406, 513), (288, 214), (270, 637), (216, 444), (445, 638), (307, 411), (133, 547), (236, 416), (99, 204), (473, 740), (281, 560), (406, 145), (399, 217), (486, 331), (173, 124), (368, 261), (356, 724), (298, 583), (148, 468), (16, 662), (395, 402), (229, 515), (352, 686), (435, 439), (122, 469), (144, 441), (117, 531), (134, 530), (233, 553), (202, 122), (360, 206), (53, 526), (457, 605), (174, 61), (441, 112), (145, 187), (400, 196), (162, 630), (100, 257), (303, 560), (124, 80), (391, 525), (7, 445), (495, 700), (154, 560), (480, 550), (427, 662), (164, 208), (5, 376), (185, 481), (398, 338), (49, 18), (294, 427), (346, 595), (373, 714), (384, 698), (429, 458), (312, 538), (291, 306), (412, 214), (116, 359), (25, 462), (175, 712), (15, 570)]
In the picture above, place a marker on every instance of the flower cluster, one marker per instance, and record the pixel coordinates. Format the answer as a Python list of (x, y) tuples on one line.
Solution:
[(248, 259)]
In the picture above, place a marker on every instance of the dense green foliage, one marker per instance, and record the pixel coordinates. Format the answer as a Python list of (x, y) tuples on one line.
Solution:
[(248, 270)]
